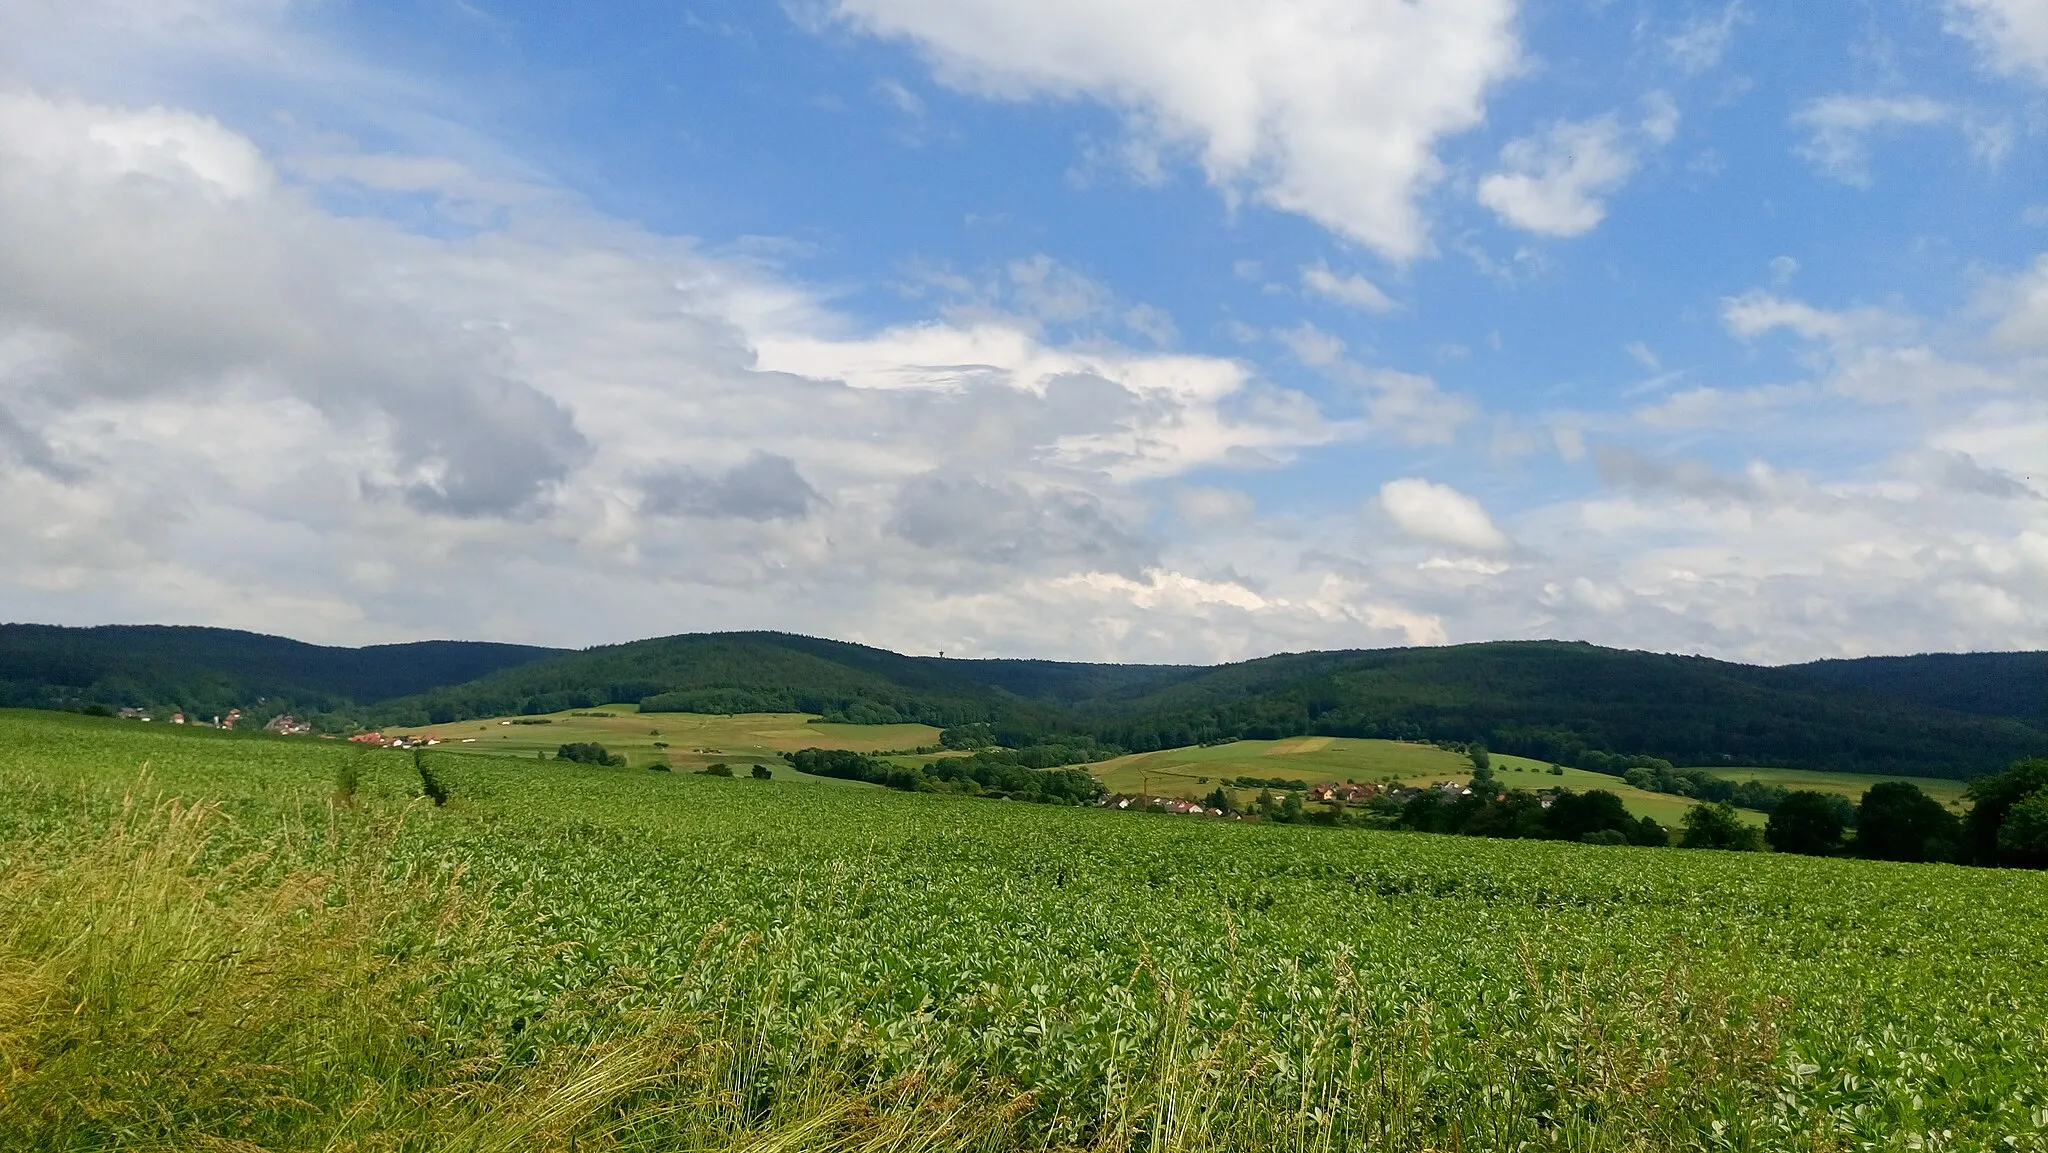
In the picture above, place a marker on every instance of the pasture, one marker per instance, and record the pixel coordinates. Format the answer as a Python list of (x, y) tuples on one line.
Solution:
[(214, 941), (685, 742)]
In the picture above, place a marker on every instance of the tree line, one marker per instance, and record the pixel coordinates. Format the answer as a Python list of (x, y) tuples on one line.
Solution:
[(990, 772), (2006, 824)]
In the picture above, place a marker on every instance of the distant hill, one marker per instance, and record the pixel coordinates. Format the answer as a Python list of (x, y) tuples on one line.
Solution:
[(1946, 715), (2013, 685), (781, 672), (1561, 701), (213, 670)]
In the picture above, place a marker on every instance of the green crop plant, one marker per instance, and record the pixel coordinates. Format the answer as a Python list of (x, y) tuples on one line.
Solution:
[(216, 952)]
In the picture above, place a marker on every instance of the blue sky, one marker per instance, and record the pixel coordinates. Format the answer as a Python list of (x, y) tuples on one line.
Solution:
[(1181, 331)]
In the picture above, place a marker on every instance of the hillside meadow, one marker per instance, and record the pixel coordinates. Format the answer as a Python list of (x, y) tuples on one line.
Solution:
[(226, 942), (685, 742), (1850, 785)]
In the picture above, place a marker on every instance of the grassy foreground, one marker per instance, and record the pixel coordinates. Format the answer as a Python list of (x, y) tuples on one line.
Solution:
[(276, 945)]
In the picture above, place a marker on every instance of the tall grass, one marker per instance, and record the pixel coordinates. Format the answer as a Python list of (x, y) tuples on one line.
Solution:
[(159, 989)]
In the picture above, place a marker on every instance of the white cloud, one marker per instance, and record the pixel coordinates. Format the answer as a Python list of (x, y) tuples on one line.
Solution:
[(1556, 184), (1351, 291), (1331, 109), (1757, 312), (223, 403), (2013, 34), (1440, 513), (1311, 345), (1704, 39), (1838, 129), (1207, 505), (2020, 304)]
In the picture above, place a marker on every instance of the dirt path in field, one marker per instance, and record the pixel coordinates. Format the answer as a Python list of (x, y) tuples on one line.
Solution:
[(1299, 745)]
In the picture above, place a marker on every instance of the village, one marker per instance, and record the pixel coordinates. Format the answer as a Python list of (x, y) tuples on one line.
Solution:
[(1348, 793)]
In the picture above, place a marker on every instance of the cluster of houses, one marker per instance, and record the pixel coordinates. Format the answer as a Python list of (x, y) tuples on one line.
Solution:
[(287, 725), (1348, 793), (228, 722), (1174, 805), (394, 742)]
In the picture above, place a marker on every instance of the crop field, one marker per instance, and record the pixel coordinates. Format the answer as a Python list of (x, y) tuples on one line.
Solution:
[(225, 942), (684, 741), (1191, 772)]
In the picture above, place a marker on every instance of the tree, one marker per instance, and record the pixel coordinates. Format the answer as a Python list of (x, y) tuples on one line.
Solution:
[(1898, 822), (1482, 761), (1219, 798), (762, 773), (588, 753), (721, 769), (1992, 799), (1575, 816), (1812, 823), (2023, 836), (1290, 809), (1718, 826)]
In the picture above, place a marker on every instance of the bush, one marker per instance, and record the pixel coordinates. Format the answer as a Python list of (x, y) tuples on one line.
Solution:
[(1995, 800), (588, 753), (763, 773), (1816, 824), (718, 770), (1718, 826), (2023, 835)]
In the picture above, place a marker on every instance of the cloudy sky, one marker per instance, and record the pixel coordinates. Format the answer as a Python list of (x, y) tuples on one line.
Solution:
[(1153, 330)]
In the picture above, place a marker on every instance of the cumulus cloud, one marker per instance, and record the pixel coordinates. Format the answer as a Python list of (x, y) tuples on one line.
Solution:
[(2012, 34), (1331, 109), (156, 253), (1007, 524), (1557, 183), (224, 400), (763, 487), (1438, 512)]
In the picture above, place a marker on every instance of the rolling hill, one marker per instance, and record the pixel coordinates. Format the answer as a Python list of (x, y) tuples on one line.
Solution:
[(213, 670), (1944, 715)]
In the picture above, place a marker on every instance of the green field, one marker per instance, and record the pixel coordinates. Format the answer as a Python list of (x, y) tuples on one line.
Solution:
[(1850, 785), (1191, 772), (566, 957), (692, 740)]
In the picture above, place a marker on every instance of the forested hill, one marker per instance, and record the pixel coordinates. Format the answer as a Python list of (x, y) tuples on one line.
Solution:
[(1955, 715), (1572, 702), (780, 672), (2011, 685), (209, 671)]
